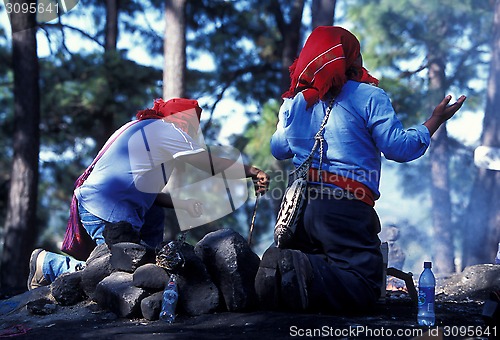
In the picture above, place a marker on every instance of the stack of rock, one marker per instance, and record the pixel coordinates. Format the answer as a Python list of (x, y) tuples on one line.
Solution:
[(218, 275)]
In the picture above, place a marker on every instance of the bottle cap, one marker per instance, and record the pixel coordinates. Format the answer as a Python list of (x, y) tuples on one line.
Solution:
[(427, 264)]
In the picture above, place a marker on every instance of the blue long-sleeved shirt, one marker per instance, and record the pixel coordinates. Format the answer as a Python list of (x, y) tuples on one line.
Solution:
[(362, 125)]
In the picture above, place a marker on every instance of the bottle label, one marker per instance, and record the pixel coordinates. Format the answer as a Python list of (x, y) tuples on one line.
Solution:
[(426, 298)]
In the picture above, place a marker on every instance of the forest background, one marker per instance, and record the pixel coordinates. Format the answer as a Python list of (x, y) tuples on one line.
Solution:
[(66, 84)]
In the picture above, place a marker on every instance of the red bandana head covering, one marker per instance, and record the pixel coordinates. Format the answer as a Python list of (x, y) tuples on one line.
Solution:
[(328, 53), (183, 113)]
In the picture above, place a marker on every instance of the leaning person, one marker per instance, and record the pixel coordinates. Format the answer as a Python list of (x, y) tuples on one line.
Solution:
[(127, 178), (333, 262)]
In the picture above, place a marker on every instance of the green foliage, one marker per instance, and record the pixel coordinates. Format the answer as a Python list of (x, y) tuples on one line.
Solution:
[(242, 39), (77, 91), (244, 44), (406, 96), (397, 36), (259, 134), (401, 39), (256, 145)]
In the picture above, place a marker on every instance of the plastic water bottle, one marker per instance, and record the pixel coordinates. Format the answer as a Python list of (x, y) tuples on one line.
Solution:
[(169, 301), (426, 294), (497, 259)]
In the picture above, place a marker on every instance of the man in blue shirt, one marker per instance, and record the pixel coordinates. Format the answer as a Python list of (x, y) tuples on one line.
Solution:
[(127, 177), (333, 262)]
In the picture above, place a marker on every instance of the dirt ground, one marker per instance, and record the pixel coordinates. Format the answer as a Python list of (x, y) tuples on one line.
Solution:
[(393, 319)]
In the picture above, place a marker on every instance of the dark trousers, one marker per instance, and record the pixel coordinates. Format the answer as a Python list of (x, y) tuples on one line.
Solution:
[(340, 238)]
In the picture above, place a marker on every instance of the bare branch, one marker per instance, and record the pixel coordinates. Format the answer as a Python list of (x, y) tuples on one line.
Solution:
[(230, 79), (465, 56), (219, 97), (407, 74), (62, 26), (47, 36)]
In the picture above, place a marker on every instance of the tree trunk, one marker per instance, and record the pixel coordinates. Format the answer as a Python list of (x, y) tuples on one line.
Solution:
[(107, 118), (291, 36), (322, 13), (290, 33), (483, 211), (111, 37), (174, 76), (174, 49), (21, 223), (440, 184)]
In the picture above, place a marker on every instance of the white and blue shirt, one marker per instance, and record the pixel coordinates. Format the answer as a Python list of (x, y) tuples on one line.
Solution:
[(134, 169)]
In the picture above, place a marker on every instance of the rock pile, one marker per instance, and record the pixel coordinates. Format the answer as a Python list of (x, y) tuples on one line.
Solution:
[(473, 283), (218, 275)]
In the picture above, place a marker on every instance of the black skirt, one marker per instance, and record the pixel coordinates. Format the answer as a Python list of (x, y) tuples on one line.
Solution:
[(339, 234)]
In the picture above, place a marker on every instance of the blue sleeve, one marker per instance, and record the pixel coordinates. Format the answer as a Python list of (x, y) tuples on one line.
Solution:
[(391, 138), (280, 148)]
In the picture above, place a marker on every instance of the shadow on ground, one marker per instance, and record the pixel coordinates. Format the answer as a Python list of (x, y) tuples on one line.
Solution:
[(395, 319)]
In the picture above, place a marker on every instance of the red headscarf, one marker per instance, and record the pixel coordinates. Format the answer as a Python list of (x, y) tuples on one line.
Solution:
[(322, 64), (179, 111)]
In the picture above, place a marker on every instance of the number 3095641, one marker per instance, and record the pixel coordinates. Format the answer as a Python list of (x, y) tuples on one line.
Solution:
[(41, 7)]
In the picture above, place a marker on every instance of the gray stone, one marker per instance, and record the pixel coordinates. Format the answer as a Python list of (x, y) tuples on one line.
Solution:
[(66, 289), (41, 307), (117, 294), (97, 269), (128, 256), (117, 232), (98, 252), (473, 283), (150, 277), (198, 294), (151, 306), (17, 302), (232, 265)]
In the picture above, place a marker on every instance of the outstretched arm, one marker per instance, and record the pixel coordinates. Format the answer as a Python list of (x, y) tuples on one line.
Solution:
[(443, 112), (192, 206), (217, 164)]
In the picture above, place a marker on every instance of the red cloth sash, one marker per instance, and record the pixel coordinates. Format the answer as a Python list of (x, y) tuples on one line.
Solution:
[(358, 189), (77, 242)]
